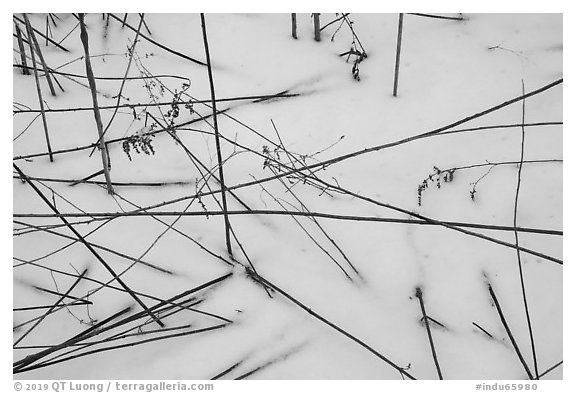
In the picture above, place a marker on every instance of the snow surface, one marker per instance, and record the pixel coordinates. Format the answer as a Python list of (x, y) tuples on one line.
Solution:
[(447, 73)]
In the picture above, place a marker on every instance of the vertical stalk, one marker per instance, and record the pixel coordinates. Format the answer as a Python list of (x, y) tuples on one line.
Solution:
[(398, 47), (217, 136), (294, 35), (528, 320), (92, 82), (47, 30), (25, 70), (38, 89), (32, 38), (316, 27)]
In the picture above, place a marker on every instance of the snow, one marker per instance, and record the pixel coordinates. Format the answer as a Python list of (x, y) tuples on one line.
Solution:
[(447, 73)]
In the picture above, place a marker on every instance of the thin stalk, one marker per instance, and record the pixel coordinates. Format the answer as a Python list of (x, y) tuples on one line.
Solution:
[(74, 182), (460, 18), (217, 138), (39, 91), (145, 24), (25, 71), (47, 29), (32, 38), (294, 34), (158, 44), (398, 48), (44, 307), (425, 317), (510, 336), (92, 82), (401, 370), (316, 27), (520, 271), (64, 296), (227, 371), (484, 330), (85, 179), (142, 212), (551, 369), (41, 34)]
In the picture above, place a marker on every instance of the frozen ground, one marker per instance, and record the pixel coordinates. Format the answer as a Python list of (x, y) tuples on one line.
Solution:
[(449, 70)]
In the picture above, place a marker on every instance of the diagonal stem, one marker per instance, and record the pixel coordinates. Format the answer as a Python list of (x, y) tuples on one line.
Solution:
[(421, 299), (507, 328)]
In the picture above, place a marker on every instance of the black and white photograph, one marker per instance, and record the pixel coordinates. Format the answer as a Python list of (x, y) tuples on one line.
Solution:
[(287, 196)]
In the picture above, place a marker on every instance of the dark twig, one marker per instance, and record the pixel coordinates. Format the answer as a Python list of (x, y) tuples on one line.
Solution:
[(39, 90), (551, 369), (145, 24), (64, 296), (25, 69), (484, 330), (510, 336), (436, 16), (159, 44), (32, 38), (227, 371), (85, 179), (142, 212), (41, 34), (421, 300), (398, 47), (401, 370)]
